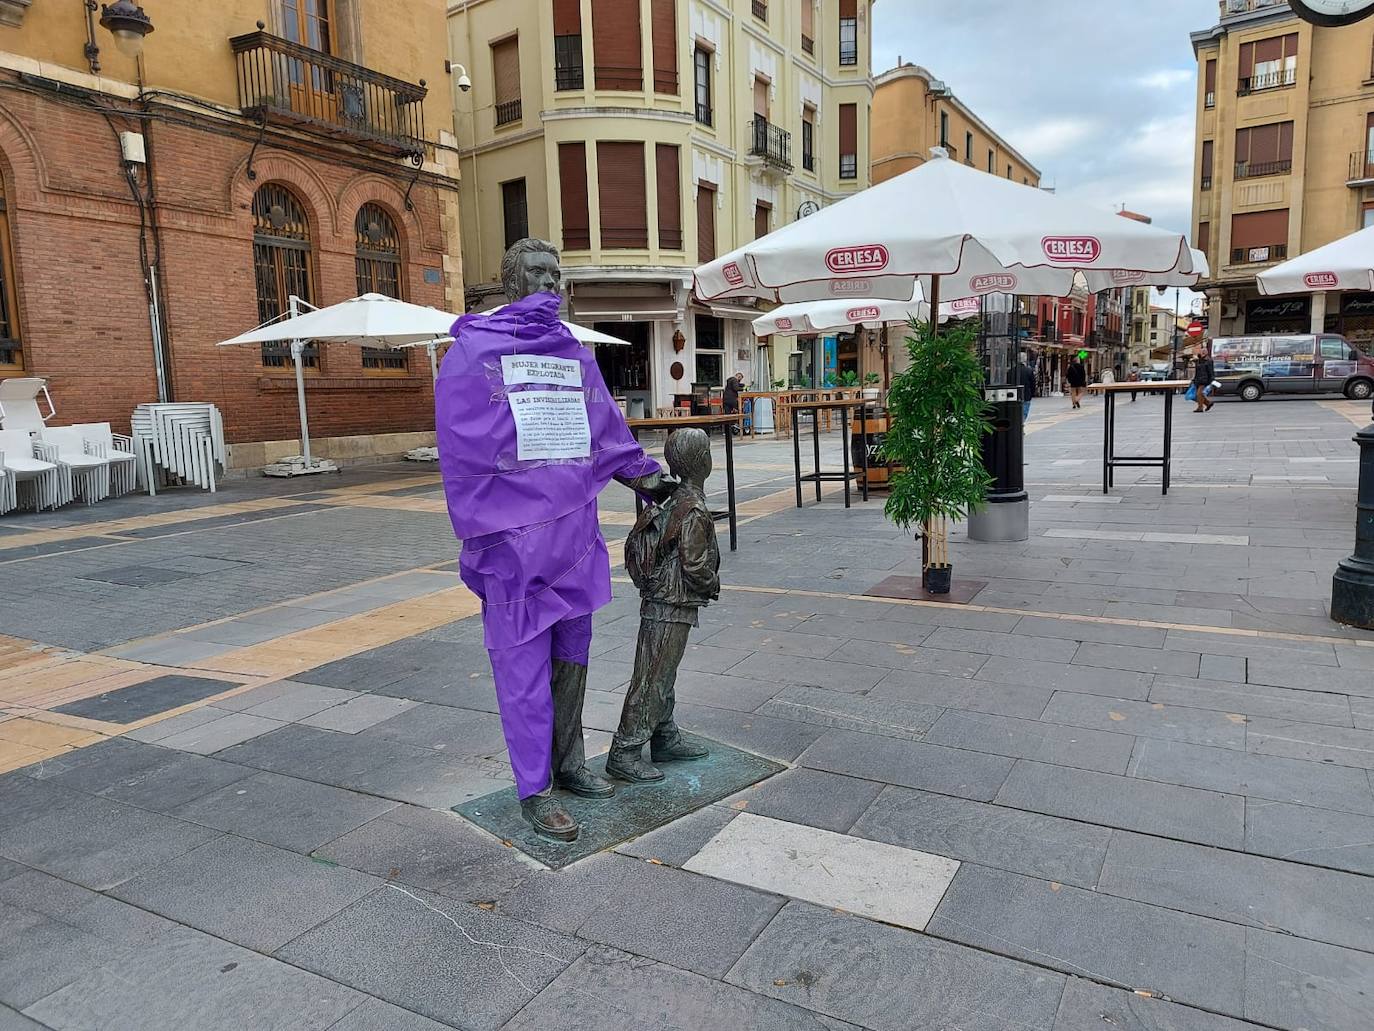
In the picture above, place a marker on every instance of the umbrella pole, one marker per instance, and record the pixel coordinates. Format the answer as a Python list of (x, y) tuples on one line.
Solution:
[(934, 305), (297, 346), (433, 360), (887, 363)]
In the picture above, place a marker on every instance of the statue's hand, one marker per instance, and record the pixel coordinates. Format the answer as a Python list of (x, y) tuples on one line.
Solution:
[(662, 490)]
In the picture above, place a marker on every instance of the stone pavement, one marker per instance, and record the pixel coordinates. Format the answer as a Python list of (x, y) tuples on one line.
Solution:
[(1127, 786)]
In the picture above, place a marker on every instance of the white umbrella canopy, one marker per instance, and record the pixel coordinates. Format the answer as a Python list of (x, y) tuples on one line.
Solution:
[(869, 312), (1344, 264), (372, 320), (979, 232)]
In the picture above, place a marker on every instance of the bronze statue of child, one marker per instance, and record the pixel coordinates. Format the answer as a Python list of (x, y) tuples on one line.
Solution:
[(672, 557)]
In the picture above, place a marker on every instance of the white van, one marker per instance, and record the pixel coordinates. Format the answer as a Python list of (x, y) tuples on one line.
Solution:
[(1301, 363)]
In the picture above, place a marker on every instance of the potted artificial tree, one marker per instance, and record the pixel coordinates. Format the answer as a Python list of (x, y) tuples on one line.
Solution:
[(937, 416)]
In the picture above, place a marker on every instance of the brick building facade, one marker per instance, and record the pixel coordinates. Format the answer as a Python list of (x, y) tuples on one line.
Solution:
[(231, 214)]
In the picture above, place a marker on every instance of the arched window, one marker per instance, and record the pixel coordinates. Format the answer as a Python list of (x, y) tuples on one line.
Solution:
[(11, 347), (377, 258), (281, 265)]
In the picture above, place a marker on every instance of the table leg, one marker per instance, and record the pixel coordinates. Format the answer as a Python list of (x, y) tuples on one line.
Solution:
[(844, 446), (1111, 468), (863, 440), (730, 486), (1106, 445), (796, 452), (816, 448), (1168, 436)]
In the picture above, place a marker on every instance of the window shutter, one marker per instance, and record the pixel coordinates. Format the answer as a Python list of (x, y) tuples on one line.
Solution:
[(505, 61), (849, 129), (1290, 45), (761, 97), (1259, 229), (615, 45), (620, 189), (1269, 50), (1247, 60), (1211, 76), (1285, 141), (808, 19), (706, 223), (1204, 237), (849, 9), (572, 180), (762, 212), (1207, 150), (665, 46), (669, 197), (567, 17)]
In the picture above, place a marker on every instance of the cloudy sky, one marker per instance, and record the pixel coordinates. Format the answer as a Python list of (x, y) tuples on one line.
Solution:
[(1098, 95)]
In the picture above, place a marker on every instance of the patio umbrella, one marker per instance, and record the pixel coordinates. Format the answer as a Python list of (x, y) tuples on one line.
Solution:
[(1344, 264), (958, 231)]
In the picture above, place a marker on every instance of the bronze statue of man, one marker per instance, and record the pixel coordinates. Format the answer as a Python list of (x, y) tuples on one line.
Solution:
[(673, 558), (528, 436)]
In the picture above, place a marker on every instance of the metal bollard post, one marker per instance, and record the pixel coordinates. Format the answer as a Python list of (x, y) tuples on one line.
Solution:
[(1352, 588)]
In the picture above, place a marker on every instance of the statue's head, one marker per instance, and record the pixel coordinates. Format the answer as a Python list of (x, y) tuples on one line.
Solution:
[(688, 454), (530, 266)]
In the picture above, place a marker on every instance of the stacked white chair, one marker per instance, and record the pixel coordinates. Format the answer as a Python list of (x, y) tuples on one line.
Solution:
[(32, 481), (115, 448), (181, 440), (8, 494), (19, 403), (83, 472)]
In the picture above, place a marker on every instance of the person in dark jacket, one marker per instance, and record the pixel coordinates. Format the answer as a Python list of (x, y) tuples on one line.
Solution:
[(1025, 376), (1203, 374), (729, 402), (1078, 379)]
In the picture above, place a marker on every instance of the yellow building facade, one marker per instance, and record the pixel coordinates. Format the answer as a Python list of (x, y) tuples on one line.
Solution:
[(1283, 162), (645, 137), (914, 111)]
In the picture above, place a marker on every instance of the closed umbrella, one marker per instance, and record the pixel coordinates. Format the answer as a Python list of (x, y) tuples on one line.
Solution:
[(1344, 264)]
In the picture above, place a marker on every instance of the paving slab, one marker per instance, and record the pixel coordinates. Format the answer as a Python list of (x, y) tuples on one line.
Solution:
[(293, 814), (959, 693), (1258, 776), (1290, 674), (1033, 739), (892, 979), (922, 658), (1148, 719), (847, 675), (1304, 834), (138, 702), (810, 797), (1087, 1006), (1294, 983), (154, 733), (100, 843), (724, 691), (779, 739), (23, 798), (246, 892), (1254, 700), (883, 882), (912, 764), (1128, 944), (232, 728), (298, 701), (680, 840), (1048, 649), (1295, 739), (445, 960), (148, 776), (1058, 676), (606, 987), (13, 1020), (822, 708), (193, 982), (358, 714), (991, 835), (375, 1015), (456, 732), (1084, 630), (1169, 810)]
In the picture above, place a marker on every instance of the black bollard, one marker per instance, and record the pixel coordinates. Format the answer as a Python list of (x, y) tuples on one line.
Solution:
[(1352, 588)]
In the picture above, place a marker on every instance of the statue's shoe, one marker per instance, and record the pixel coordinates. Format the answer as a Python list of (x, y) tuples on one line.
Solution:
[(629, 764), (676, 749), (548, 817), (586, 784)]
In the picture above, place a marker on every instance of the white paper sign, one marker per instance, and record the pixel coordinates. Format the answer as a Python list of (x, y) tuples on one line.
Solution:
[(533, 368), (550, 424)]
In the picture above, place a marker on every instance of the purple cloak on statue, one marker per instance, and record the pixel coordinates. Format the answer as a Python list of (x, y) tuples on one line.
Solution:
[(532, 547)]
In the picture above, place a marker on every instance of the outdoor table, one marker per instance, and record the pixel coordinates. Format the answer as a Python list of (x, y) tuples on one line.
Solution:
[(1110, 461), (843, 406), (702, 422)]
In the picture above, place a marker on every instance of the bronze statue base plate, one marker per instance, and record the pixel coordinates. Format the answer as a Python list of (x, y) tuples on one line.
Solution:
[(910, 588), (636, 808)]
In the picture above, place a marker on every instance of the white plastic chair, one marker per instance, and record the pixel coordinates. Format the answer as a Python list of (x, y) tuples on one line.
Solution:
[(19, 403), (83, 474), (31, 479), (183, 440), (8, 501), (118, 449)]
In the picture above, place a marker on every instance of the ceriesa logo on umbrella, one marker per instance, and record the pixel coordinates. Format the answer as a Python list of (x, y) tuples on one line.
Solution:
[(784, 323), (732, 274), (1072, 249), (1003, 281), (869, 257), (1123, 276), (862, 314), (1320, 280)]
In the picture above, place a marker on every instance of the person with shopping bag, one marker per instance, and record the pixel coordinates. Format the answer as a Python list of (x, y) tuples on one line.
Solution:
[(1204, 372)]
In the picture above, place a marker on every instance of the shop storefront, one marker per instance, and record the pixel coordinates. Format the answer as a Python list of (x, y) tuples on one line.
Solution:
[(1354, 320), (1273, 315)]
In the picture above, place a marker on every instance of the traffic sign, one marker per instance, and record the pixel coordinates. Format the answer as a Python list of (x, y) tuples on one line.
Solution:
[(1195, 329)]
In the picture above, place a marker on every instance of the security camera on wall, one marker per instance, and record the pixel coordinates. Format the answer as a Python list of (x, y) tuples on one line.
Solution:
[(464, 83)]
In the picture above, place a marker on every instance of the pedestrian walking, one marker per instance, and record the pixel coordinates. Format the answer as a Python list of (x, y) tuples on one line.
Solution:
[(1026, 377), (1078, 379), (1134, 377), (1203, 374), (730, 399)]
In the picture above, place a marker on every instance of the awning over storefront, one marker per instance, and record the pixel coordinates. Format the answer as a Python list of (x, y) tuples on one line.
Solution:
[(640, 302)]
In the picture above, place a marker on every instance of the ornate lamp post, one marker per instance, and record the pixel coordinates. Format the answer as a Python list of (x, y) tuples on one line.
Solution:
[(1352, 588)]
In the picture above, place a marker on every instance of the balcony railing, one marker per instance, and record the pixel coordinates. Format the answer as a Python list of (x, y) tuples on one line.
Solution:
[(508, 112), (567, 62), (808, 44), (1267, 80), (610, 77), (808, 162), (1254, 255), (1361, 167), (849, 166), (760, 8), (771, 143), (1253, 170), (1206, 182), (705, 114), (1210, 101), (287, 83)]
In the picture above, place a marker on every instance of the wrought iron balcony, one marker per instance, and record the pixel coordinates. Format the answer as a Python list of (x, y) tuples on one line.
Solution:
[(286, 83), (508, 112), (1206, 182), (567, 62), (760, 8), (704, 114), (808, 44), (1253, 169), (1361, 168), (771, 143), (1276, 79)]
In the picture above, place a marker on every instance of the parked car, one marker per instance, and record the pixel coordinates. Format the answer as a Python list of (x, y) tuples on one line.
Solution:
[(1306, 363), (1156, 372)]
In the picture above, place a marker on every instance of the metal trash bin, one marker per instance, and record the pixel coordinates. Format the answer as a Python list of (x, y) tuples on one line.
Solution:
[(1006, 516)]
